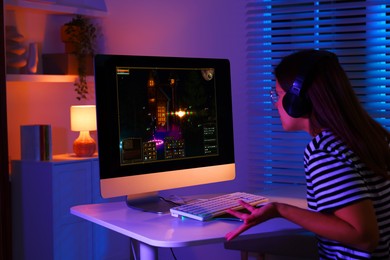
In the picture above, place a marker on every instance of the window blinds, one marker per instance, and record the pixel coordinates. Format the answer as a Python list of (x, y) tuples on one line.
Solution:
[(357, 31)]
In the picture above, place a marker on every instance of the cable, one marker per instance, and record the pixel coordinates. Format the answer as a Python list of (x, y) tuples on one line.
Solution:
[(170, 201), (173, 253), (133, 249)]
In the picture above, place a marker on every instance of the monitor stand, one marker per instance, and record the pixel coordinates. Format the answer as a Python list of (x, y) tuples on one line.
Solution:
[(150, 203)]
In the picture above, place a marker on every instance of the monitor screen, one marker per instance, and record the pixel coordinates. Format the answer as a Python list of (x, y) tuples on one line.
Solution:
[(162, 123)]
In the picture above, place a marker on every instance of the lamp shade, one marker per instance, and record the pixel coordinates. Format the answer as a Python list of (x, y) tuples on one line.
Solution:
[(83, 118)]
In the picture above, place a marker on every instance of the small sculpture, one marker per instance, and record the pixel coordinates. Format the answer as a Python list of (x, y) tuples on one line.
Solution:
[(15, 50), (19, 60)]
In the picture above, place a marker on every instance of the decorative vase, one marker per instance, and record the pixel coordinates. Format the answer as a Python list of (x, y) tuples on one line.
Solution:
[(69, 39)]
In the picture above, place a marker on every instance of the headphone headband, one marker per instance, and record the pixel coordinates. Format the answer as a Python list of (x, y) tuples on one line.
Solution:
[(295, 101)]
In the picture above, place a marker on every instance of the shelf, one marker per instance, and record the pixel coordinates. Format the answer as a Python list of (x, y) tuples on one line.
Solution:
[(92, 8), (44, 78), (72, 157)]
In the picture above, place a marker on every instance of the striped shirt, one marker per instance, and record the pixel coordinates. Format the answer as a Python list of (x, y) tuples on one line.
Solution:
[(335, 178)]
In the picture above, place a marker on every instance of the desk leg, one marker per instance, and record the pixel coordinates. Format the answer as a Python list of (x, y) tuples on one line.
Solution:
[(142, 251)]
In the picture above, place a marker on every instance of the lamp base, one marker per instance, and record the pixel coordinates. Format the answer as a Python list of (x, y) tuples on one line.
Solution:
[(84, 145)]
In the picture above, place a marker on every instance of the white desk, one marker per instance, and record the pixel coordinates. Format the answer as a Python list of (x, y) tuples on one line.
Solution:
[(152, 230)]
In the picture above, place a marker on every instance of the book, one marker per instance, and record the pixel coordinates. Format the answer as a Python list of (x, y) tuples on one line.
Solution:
[(35, 142)]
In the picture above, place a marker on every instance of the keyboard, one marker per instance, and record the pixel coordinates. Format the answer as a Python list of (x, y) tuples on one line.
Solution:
[(205, 209)]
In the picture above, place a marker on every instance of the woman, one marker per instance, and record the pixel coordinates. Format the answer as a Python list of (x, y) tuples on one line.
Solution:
[(346, 164)]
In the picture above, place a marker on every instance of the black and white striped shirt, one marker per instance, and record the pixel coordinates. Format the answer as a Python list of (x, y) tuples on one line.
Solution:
[(335, 178)]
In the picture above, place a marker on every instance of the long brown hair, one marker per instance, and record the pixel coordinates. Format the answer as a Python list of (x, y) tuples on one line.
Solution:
[(336, 107)]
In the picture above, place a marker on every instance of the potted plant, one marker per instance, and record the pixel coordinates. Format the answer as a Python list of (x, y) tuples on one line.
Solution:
[(79, 36)]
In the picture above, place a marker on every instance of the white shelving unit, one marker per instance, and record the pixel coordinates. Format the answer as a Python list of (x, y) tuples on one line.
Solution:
[(93, 8), (43, 228), (43, 192)]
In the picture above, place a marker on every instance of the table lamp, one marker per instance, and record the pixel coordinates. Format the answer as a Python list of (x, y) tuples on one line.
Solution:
[(83, 119)]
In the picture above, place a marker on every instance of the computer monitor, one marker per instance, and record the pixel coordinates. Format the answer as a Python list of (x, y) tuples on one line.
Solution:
[(162, 123)]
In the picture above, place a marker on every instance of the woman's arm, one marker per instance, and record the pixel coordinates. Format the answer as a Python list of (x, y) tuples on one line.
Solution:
[(354, 225)]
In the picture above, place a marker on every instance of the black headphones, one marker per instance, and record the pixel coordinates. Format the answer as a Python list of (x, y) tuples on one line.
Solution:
[(295, 101)]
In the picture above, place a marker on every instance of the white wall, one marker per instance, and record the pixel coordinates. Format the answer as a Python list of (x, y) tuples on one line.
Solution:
[(192, 28), (201, 28)]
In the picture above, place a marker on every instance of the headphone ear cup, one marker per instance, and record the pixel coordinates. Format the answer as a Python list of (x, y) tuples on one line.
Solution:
[(295, 102), (295, 106)]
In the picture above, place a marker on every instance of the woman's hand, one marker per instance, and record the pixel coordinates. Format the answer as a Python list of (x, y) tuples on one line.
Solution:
[(253, 218), (354, 225)]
